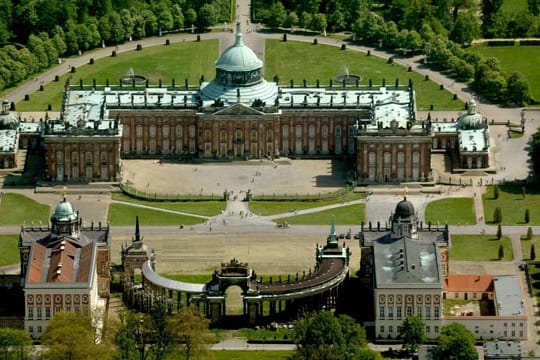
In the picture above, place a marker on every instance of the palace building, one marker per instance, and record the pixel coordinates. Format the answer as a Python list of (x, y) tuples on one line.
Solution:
[(64, 267), (240, 115)]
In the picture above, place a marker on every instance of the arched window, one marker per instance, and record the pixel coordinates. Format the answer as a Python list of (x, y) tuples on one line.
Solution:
[(254, 136)]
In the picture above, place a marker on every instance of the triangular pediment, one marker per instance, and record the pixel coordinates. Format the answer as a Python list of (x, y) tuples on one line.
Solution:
[(238, 110)]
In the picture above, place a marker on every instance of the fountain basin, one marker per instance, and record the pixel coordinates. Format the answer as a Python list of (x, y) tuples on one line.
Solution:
[(130, 79), (348, 78)]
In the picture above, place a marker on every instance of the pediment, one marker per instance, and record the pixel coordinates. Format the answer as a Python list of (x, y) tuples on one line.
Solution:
[(238, 110)]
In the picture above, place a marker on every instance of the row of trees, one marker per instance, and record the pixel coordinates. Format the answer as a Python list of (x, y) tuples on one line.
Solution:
[(52, 29)]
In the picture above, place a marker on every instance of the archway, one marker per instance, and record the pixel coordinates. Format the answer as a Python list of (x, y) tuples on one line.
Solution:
[(234, 302)]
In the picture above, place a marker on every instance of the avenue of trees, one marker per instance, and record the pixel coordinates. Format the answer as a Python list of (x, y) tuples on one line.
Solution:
[(35, 33)]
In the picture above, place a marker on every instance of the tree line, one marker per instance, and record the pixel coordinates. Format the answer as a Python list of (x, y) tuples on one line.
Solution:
[(439, 29), (35, 33)]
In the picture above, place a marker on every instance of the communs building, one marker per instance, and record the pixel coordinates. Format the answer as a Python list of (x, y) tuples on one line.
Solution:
[(238, 116)]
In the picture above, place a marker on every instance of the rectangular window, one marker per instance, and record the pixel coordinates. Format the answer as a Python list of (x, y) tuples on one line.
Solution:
[(390, 312), (57, 309), (521, 333), (39, 329), (382, 328), (398, 312), (30, 313), (436, 311), (513, 333), (39, 313), (428, 311), (428, 329), (47, 312), (390, 329), (419, 310), (30, 329), (436, 329), (505, 333), (409, 310), (456, 295), (381, 312), (474, 295)]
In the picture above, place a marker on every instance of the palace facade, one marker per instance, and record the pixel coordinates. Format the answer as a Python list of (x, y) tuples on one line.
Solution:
[(240, 115)]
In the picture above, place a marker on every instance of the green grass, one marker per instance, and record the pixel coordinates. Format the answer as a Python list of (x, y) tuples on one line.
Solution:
[(345, 215), (177, 61), (512, 204), (266, 208), (526, 246), (205, 208), (266, 334), (250, 355), (16, 209), (514, 6), (515, 58), (479, 248), (534, 275), (454, 211), (191, 278), (120, 214), (298, 61), (9, 250)]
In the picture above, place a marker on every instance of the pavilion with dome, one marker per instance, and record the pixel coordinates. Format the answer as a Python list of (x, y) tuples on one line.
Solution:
[(64, 267), (466, 140)]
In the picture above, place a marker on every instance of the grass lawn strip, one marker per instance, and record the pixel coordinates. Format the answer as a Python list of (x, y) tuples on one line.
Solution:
[(298, 61), (526, 247), (534, 275), (512, 204), (265, 208), (454, 211), (9, 250), (250, 355), (479, 248), (205, 208), (16, 209), (179, 61), (345, 215), (120, 214)]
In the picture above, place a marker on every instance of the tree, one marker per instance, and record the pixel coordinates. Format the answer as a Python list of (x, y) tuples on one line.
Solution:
[(497, 215), (527, 216), (518, 89), (500, 254), (189, 331), (466, 29), (496, 192), (71, 335), (292, 20), (278, 15), (324, 336), (207, 16), (499, 231), (160, 330), (455, 343), (305, 20), (534, 7), (532, 255), (529, 233), (318, 22), (534, 152), (178, 17), (190, 17), (413, 333), (489, 9), (14, 341)]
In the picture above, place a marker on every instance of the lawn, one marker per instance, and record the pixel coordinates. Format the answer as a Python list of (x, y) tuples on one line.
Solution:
[(253, 354), (345, 215), (266, 208), (526, 246), (9, 250), (479, 248), (189, 59), (514, 6), (16, 209), (515, 58), (534, 277), (512, 204), (120, 214), (454, 211), (299, 60), (205, 208)]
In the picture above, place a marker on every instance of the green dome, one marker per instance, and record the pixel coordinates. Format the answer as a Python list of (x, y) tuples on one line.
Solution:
[(239, 57), (470, 120), (64, 212)]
